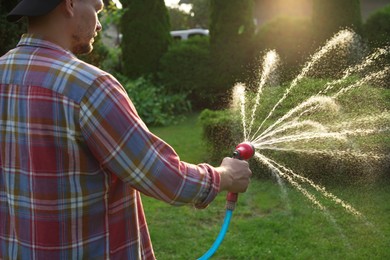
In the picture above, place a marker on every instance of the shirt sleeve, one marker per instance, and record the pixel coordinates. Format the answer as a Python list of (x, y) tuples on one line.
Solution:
[(124, 146)]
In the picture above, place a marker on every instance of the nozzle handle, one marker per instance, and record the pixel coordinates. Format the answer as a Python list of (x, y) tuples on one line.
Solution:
[(231, 198), (244, 151)]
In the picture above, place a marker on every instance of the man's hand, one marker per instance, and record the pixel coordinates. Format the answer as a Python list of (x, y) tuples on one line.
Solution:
[(235, 175)]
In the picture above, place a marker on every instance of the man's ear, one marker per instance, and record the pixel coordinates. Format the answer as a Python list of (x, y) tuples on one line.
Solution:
[(69, 7)]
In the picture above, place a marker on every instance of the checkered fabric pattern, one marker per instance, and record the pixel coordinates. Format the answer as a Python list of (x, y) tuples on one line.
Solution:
[(74, 158)]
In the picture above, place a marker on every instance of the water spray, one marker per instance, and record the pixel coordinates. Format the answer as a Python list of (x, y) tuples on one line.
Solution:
[(312, 120), (243, 151)]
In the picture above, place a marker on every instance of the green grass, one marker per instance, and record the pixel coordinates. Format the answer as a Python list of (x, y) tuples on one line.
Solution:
[(267, 224)]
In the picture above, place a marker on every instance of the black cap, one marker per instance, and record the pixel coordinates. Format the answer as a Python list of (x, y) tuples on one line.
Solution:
[(32, 8)]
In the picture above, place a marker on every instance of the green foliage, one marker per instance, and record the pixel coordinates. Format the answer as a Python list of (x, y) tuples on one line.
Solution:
[(112, 62), (145, 27), (231, 36), (9, 32), (99, 54), (186, 68), (377, 28), (291, 38), (330, 16), (112, 15), (272, 220), (110, 56), (221, 131), (198, 17), (201, 13), (179, 19), (154, 105), (339, 56)]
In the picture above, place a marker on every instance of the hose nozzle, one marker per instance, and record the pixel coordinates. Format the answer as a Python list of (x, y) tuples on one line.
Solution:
[(244, 151)]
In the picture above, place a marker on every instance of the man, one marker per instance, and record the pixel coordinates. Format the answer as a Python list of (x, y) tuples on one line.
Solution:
[(75, 156)]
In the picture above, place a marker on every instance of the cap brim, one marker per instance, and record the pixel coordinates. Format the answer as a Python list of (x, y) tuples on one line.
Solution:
[(31, 8)]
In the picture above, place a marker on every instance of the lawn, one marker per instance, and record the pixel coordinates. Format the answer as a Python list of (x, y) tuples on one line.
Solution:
[(271, 221)]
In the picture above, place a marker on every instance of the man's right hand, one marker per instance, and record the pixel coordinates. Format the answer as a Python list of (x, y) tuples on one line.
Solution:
[(235, 175)]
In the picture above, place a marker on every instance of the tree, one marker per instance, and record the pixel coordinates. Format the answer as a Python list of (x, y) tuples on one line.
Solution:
[(179, 19), (9, 32), (145, 27), (198, 17), (231, 35), (330, 16), (200, 13)]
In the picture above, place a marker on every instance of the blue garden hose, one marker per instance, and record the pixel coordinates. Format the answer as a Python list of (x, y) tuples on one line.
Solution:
[(220, 237), (244, 151)]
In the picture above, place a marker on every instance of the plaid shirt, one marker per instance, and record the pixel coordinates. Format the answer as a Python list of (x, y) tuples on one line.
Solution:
[(74, 157)]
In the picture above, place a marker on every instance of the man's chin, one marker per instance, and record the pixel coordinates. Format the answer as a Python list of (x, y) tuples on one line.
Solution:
[(82, 50)]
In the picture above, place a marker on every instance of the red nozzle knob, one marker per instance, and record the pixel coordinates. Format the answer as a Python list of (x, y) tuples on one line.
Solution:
[(244, 151)]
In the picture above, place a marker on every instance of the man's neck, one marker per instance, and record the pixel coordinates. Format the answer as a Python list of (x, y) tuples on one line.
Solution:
[(50, 31)]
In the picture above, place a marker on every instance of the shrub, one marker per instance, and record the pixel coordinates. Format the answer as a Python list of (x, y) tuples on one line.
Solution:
[(377, 34), (290, 37), (221, 130), (377, 28), (153, 104), (10, 32), (186, 68), (112, 62), (331, 16), (98, 55), (358, 158)]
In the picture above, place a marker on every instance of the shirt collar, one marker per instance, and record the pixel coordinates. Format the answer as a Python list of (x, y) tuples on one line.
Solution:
[(37, 41)]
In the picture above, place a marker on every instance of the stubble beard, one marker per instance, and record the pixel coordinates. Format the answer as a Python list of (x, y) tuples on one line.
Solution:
[(82, 46)]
